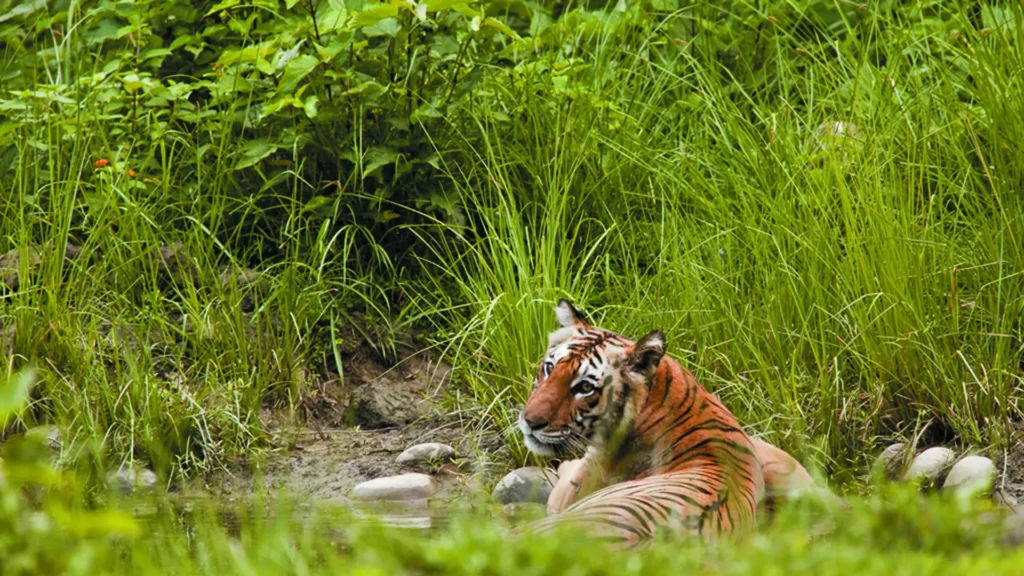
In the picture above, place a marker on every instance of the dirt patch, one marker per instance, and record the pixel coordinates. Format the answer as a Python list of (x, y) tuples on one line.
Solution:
[(325, 464)]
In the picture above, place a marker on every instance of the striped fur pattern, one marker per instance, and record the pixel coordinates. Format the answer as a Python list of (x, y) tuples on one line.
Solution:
[(662, 453)]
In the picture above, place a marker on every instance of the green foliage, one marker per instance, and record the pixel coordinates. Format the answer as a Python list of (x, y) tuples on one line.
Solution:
[(43, 527), (816, 200)]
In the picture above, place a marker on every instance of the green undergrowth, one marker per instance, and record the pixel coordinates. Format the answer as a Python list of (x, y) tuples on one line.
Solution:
[(817, 201), (62, 520), (895, 531)]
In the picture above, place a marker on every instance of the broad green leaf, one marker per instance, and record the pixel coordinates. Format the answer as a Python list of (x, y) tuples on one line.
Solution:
[(316, 203), (286, 56), (373, 15), (332, 20), (132, 82), (295, 71), (106, 29), (248, 54), (367, 87), (23, 9), (386, 27), (386, 216), (310, 106), (439, 5), (377, 157), (156, 53), (278, 104), (254, 151), (499, 26), (219, 6)]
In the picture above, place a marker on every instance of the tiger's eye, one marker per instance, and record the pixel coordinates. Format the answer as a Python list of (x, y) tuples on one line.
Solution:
[(548, 367), (585, 389)]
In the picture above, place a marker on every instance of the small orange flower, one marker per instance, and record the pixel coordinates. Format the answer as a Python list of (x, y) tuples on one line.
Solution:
[(216, 66), (102, 162), (131, 172)]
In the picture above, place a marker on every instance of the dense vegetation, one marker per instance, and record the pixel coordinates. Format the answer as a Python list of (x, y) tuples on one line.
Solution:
[(46, 529), (818, 201)]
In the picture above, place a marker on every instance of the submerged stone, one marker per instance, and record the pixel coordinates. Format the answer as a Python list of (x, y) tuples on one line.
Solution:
[(529, 484), (129, 479)]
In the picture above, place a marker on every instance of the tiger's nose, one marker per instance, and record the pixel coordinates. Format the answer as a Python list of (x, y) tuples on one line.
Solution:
[(535, 423)]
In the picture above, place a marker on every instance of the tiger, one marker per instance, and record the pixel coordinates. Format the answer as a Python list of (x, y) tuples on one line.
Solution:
[(661, 452)]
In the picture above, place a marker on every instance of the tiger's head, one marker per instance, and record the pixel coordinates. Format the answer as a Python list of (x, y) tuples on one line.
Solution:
[(589, 385)]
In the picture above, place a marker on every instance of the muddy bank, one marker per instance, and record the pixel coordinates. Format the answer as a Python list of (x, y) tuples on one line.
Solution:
[(325, 464)]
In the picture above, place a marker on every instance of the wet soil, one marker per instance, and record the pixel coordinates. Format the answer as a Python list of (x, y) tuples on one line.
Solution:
[(325, 464)]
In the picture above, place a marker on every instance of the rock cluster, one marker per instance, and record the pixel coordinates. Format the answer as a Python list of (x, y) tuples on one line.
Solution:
[(938, 467)]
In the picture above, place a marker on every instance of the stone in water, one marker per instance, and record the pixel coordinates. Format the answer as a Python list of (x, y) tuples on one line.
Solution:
[(401, 487)]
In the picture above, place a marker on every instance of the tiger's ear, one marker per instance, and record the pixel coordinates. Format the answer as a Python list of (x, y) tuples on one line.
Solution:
[(569, 317), (646, 354)]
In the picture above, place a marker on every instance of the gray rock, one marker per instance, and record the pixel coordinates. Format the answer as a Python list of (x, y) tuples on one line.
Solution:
[(929, 466), (402, 487), (973, 474), (892, 462), (174, 262), (395, 397), (429, 451), (7, 336), (10, 265), (250, 282), (129, 480), (530, 484)]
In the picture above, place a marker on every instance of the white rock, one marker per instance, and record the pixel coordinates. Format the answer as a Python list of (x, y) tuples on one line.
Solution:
[(930, 464), (892, 461), (401, 487), (430, 451), (973, 474), (530, 484)]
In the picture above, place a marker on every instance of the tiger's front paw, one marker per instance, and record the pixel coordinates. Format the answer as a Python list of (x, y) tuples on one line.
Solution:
[(562, 495), (567, 489)]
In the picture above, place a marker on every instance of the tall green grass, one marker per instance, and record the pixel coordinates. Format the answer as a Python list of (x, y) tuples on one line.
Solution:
[(832, 288), (663, 166)]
